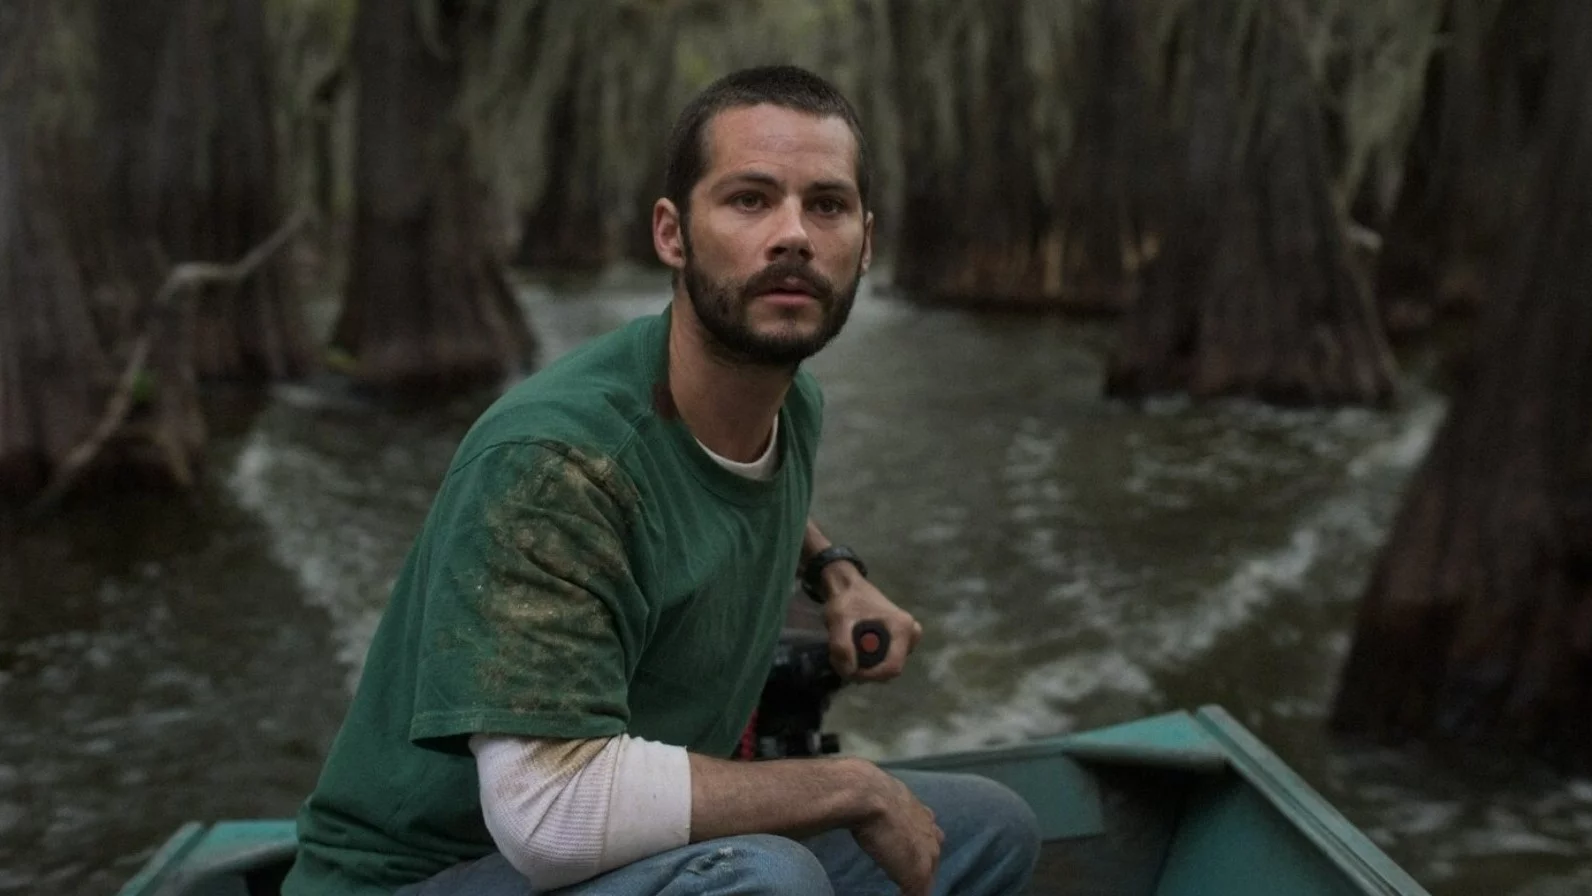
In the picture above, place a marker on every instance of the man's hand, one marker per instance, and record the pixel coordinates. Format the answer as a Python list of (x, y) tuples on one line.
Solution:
[(902, 837), (852, 599)]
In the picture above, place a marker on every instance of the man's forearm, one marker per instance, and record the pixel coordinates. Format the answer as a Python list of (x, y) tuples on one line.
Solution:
[(790, 797), (813, 541)]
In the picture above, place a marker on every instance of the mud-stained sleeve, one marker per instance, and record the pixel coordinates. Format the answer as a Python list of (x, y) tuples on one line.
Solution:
[(531, 611)]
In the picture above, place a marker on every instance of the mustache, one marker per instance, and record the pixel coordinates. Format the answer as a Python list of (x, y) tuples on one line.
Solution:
[(774, 276)]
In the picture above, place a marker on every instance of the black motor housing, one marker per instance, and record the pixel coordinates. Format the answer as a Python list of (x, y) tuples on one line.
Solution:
[(790, 713)]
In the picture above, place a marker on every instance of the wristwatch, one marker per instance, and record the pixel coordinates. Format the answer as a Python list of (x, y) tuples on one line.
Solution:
[(813, 569)]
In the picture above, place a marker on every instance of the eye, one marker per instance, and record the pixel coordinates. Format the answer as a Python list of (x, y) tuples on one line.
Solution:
[(747, 201), (829, 205)]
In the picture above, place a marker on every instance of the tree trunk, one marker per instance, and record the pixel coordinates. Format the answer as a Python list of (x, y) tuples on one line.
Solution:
[(187, 120), (1477, 624), (1107, 183), (1253, 293), (1475, 141), (53, 372), (645, 116), (428, 303), (568, 228), (581, 97), (974, 225), (57, 293)]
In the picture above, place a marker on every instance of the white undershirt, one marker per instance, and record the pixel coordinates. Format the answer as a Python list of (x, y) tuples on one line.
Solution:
[(564, 811), (761, 469)]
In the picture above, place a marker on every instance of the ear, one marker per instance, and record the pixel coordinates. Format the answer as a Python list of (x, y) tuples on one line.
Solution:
[(867, 242), (667, 239)]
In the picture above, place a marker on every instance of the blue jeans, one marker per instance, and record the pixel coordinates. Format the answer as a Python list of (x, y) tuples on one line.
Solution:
[(991, 845)]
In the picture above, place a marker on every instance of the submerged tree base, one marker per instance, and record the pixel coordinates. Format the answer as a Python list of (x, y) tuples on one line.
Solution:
[(1477, 625), (428, 304)]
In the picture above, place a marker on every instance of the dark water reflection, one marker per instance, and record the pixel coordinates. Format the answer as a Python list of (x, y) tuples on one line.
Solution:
[(1075, 562)]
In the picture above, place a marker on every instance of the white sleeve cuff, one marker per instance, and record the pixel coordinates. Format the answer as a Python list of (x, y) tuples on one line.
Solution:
[(563, 811)]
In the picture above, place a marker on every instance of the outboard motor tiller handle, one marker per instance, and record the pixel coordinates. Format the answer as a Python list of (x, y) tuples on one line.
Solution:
[(872, 641)]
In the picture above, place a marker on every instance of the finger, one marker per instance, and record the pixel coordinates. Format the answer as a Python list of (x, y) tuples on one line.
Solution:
[(894, 661), (892, 666), (905, 632), (910, 885), (842, 655)]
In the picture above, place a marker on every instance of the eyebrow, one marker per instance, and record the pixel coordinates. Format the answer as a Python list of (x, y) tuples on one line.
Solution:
[(766, 179)]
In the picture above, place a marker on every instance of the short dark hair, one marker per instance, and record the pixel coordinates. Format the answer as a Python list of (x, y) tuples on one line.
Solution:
[(785, 86)]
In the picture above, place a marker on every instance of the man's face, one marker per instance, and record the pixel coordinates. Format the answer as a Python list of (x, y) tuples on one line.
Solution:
[(777, 239)]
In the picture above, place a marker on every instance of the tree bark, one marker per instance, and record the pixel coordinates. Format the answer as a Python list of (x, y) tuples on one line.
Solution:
[(1108, 184), (1474, 143), (974, 225), (191, 151), (428, 304), (646, 116), (1253, 293), (1023, 145), (1477, 623), (567, 227), (62, 302), (53, 371)]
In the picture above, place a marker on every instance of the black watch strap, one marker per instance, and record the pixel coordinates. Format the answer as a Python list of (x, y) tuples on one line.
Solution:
[(813, 569)]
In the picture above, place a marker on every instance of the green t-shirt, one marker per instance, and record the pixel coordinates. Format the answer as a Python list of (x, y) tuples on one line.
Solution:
[(586, 570)]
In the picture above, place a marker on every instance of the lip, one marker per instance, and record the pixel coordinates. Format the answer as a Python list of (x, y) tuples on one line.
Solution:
[(788, 298)]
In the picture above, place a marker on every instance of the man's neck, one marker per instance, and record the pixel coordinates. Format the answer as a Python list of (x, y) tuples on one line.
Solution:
[(728, 407)]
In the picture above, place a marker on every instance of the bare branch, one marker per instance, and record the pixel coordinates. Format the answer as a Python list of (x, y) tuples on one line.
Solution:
[(191, 275)]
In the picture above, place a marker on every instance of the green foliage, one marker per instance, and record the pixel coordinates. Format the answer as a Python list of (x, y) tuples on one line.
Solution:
[(694, 66), (144, 388), (309, 37), (309, 41), (622, 68), (338, 360), (48, 60), (1366, 64), (515, 72), (630, 66)]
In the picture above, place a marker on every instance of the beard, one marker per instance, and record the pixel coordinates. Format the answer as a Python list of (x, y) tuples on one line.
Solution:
[(722, 305)]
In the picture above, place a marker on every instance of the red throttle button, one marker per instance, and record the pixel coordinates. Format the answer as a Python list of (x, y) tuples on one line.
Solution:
[(872, 641)]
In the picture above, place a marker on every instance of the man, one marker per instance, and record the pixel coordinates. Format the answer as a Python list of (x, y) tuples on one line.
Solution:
[(581, 631)]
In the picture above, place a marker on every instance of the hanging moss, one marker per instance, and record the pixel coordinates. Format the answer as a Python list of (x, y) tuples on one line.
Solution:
[(988, 147), (308, 44), (1034, 120), (576, 100), (1370, 60)]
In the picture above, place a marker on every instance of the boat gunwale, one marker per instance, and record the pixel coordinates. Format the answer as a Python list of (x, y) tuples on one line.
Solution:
[(1338, 839)]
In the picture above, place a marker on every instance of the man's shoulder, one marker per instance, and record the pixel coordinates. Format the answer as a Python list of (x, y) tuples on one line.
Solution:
[(592, 397)]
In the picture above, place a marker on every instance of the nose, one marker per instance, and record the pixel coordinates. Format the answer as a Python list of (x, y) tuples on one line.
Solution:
[(790, 233)]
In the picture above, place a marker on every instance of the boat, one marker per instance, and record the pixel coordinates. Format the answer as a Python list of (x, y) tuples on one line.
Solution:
[(1187, 803)]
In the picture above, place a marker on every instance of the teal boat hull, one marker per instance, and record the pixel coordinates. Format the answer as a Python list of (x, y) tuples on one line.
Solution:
[(1181, 804)]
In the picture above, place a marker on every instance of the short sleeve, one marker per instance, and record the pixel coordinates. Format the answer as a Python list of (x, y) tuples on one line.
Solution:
[(530, 613)]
